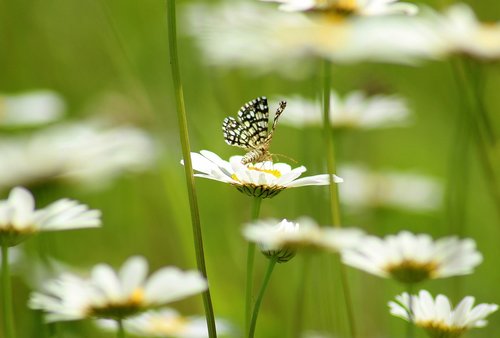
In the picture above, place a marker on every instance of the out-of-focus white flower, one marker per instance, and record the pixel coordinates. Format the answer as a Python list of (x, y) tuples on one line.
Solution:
[(264, 179), (115, 295), (438, 317), (411, 258), (87, 153), (364, 189), (356, 110), (31, 108), (167, 323), (462, 33), (349, 7), (19, 219), (263, 39), (283, 239)]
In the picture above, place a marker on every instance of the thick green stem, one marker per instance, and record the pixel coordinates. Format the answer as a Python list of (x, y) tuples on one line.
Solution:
[(334, 195), (188, 167), (301, 288), (120, 332), (250, 262), (8, 318), (260, 296)]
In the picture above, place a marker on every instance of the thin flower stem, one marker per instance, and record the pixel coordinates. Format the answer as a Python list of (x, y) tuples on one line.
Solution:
[(250, 262), (463, 77), (8, 318), (299, 306), (120, 333), (188, 167), (260, 296), (410, 331), (334, 196)]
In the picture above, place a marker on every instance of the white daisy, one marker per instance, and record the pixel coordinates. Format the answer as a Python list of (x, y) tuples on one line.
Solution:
[(411, 258), (283, 239), (462, 33), (167, 322), (367, 189), (293, 41), (356, 110), (115, 295), (31, 108), (265, 179), (349, 7), (438, 317), (19, 219), (88, 153)]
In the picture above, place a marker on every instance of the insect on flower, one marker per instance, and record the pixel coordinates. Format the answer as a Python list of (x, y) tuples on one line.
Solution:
[(251, 130)]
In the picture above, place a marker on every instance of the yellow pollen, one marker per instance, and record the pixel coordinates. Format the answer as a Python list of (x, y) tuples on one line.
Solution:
[(349, 5), (276, 173), (167, 326), (137, 296)]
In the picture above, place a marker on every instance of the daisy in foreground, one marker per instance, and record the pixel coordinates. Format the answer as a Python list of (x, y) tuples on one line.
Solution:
[(438, 317), (167, 323), (264, 180), (283, 239), (349, 7), (111, 295), (410, 258)]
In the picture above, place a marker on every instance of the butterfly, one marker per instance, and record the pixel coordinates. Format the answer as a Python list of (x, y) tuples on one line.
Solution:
[(251, 130)]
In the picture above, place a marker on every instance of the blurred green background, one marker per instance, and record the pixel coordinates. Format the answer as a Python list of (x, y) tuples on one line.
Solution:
[(88, 50)]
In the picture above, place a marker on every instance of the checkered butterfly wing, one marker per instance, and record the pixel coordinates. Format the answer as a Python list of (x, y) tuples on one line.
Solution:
[(251, 128)]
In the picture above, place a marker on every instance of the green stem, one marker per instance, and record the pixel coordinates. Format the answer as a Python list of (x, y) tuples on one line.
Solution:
[(258, 302), (410, 330), (188, 167), (120, 333), (8, 319), (299, 306), (473, 99), (334, 195), (250, 263)]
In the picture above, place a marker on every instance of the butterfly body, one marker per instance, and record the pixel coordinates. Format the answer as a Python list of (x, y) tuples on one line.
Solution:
[(251, 130)]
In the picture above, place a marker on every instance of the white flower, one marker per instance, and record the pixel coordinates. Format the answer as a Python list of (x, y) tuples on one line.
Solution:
[(265, 179), (438, 317), (31, 108), (19, 218), (411, 258), (115, 295), (284, 42), (356, 110), (167, 323), (462, 33), (87, 153), (349, 7), (364, 189), (283, 238)]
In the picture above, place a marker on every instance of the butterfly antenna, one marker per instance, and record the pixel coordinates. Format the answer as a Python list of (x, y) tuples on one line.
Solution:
[(287, 157)]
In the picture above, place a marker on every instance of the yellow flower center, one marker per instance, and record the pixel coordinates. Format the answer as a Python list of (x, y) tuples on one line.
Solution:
[(276, 173), (137, 296), (167, 326)]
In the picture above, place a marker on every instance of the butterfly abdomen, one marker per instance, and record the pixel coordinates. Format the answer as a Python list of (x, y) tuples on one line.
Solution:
[(256, 155)]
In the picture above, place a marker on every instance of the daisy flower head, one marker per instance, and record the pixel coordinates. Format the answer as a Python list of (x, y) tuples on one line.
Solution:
[(167, 322), (367, 189), (115, 295), (437, 315), (349, 7), (462, 33), (410, 258), (264, 179), (283, 239), (355, 111), (89, 153), (30, 108), (19, 219)]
